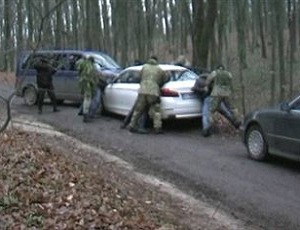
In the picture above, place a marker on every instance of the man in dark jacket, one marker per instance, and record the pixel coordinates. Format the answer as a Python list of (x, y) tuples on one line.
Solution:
[(44, 82), (203, 91), (152, 79)]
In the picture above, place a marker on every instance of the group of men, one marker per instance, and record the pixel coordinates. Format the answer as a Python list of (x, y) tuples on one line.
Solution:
[(215, 93), (91, 84)]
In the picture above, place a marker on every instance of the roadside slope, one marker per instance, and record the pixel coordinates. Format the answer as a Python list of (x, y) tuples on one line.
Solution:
[(79, 185)]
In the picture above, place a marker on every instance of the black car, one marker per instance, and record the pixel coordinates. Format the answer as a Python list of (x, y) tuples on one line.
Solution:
[(273, 131)]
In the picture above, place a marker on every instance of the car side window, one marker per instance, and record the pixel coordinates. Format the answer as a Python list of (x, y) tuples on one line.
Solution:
[(73, 58), (296, 106), (29, 61), (60, 61), (129, 77), (134, 77)]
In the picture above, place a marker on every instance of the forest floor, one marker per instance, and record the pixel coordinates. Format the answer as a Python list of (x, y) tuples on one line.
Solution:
[(49, 182)]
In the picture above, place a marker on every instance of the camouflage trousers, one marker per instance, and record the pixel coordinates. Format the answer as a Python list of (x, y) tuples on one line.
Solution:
[(223, 105), (143, 102)]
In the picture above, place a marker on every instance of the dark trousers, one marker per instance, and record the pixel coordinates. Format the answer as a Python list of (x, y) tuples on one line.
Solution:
[(41, 96), (143, 120)]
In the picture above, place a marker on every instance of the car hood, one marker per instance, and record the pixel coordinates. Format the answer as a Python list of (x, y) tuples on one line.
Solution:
[(258, 112)]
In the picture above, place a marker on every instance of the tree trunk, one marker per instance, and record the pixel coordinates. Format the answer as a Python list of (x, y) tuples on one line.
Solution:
[(261, 30), (292, 33), (150, 25), (279, 5), (240, 20), (197, 29), (273, 63), (59, 27), (75, 23), (106, 40), (20, 42), (222, 22), (7, 35)]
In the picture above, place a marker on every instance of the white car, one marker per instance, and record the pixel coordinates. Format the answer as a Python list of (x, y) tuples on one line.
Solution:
[(177, 98)]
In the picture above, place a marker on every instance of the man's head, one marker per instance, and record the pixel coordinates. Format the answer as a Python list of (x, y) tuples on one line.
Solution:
[(220, 67), (91, 59), (152, 60), (42, 58), (181, 60)]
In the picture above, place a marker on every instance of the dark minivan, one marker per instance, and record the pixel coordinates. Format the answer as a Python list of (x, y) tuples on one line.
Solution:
[(65, 80)]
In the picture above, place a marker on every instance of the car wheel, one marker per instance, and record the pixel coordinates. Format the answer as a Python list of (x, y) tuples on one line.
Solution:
[(30, 96), (256, 143)]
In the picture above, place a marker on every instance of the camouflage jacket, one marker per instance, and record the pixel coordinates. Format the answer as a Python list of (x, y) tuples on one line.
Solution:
[(152, 78), (87, 76), (222, 86)]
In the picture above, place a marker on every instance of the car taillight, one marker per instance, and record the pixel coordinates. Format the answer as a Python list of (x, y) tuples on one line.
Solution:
[(165, 92)]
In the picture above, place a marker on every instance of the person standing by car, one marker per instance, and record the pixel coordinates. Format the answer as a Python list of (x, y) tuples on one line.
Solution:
[(221, 94), (45, 72), (152, 79), (101, 83), (203, 91), (182, 61), (87, 83)]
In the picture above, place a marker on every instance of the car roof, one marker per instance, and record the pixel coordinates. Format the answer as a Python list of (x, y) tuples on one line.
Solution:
[(66, 51), (165, 67)]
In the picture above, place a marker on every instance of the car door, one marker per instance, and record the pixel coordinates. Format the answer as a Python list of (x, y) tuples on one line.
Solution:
[(120, 96), (286, 138), (71, 76), (59, 78)]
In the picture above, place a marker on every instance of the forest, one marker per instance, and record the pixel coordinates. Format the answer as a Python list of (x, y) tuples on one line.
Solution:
[(257, 40)]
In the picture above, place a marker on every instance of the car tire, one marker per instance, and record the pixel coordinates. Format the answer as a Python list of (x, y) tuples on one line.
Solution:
[(256, 143), (30, 96)]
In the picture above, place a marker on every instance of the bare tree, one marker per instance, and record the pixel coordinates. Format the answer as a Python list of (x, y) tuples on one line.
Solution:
[(292, 41), (240, 20), (279, 15), (203, 30), (7, 34), (273, 53)]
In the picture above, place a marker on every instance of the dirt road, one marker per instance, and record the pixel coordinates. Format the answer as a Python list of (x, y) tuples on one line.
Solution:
[(214, 170)]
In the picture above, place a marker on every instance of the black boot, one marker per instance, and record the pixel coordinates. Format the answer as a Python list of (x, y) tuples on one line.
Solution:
[(237, 124), (86, 118), (158, 131), (206, 132), (138, 130)]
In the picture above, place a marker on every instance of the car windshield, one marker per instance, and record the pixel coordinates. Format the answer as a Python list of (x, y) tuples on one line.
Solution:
[(295, 103), (105, 61), (182, 75)]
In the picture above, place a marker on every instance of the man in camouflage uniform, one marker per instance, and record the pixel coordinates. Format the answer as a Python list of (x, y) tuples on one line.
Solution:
[(152, 79), (87, 83), (220, 99)]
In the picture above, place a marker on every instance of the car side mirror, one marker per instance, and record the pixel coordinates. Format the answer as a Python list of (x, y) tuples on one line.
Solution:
[(285, 106)]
